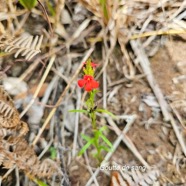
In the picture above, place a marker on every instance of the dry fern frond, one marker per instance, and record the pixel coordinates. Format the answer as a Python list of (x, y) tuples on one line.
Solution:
[(135, 177), (5, 97), (2, 156), (5, 132), (6, 109), (14, 149), (46, 169), (27, 46), (9, 116), (23, 128), (26, 160)]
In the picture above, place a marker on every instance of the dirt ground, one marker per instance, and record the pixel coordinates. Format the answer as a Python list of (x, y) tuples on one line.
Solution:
[(153, 137)]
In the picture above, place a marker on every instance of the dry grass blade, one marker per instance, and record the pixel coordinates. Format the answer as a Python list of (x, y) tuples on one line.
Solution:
[(27, 46), (39, 86), (93, 6)]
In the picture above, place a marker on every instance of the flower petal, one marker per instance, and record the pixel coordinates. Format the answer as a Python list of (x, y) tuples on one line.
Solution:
[(88, 78), (94, 65), (81, 83), (94, 84), (88, 86)]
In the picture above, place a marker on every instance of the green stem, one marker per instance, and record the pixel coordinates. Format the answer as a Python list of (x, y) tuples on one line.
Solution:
[(95, 129), (96, 143), (92, 114)]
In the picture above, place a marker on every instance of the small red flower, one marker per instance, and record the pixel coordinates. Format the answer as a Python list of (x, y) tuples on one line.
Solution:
[(93, 65), (88, 82)]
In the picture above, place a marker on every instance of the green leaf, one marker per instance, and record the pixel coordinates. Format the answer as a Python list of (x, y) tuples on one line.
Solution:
[(40, 183), (96, 135), (82, 111), (105, 148), (106, 140), (103, 129), (29, 4), (50, 8), (95, 155), (85, 137), (85, 147), (104, 8), (106, 111), (53, 152)]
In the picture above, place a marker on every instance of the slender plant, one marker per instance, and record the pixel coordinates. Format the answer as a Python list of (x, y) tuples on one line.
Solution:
[(98, 140), (103, 4), (29, 4)]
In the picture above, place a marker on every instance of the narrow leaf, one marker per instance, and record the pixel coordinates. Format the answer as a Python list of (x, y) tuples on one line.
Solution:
[(106, 140), (50, 8), (40, 183), (105, 148), (29, 4), (53, 152), (85, 137), (85, 147), (103, 129), (106, 111)]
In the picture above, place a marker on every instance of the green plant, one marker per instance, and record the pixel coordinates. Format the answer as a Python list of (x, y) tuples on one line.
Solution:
[(53, 152), (40, 183), (103, 4), (51, 8), (29, 4), (98, 139)]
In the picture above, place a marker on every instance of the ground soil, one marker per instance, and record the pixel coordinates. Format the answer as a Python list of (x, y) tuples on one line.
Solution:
[(154, 145)]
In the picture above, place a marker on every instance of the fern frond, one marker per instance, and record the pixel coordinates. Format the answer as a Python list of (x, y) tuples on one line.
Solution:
[(6, 109), (27, 46), (2, 156), (46, 169), (9, 116), (14, 149), (27, 161), (23, 128), (5, 132), (135, 177)]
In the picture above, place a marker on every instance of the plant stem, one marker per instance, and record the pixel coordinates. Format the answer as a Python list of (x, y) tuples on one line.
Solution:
[(92, 115)]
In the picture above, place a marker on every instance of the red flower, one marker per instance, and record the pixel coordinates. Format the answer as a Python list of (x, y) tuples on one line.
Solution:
[(88, 82), (93, 65)]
